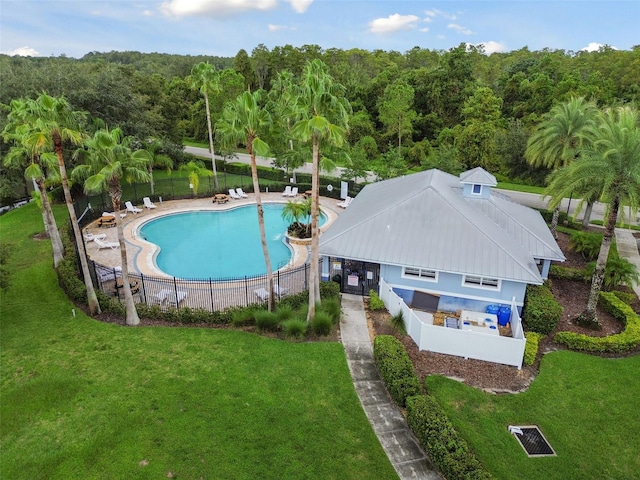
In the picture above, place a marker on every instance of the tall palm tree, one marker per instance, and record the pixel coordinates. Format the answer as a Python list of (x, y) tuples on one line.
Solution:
[(40, 166), (610, 165), (109, 160), (323, 115), (51, 121), (558, 139), (245, 121), (158, 159), (205, 78), (195, 169)]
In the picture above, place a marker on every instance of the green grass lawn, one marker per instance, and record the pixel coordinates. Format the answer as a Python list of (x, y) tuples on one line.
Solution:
[(89, 400), (587, 408)]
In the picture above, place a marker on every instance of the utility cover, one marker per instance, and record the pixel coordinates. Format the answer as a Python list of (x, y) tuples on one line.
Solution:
[(532, 440)]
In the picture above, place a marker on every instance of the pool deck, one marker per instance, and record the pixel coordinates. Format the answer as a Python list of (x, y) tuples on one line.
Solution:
[(141, 253)]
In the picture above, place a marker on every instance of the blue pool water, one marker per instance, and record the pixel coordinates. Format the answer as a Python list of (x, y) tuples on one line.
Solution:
[(221, 244)]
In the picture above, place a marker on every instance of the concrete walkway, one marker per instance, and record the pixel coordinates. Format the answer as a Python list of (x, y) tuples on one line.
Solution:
[(628, 248), (397, 440)]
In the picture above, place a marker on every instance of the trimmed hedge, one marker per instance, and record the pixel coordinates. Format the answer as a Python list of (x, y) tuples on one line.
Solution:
[(445, 447), (541, 312), (395, 368), (531, 348), (619, 343)]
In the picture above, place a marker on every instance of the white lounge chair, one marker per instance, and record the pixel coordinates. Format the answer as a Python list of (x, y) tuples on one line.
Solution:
[(105, 274), (170, 296), (103, 244), (345, 203), (240, 192), (233, 194), (263, 293), (131, 208), (91, 236), (294, 192), (148, 203), (287, 191)]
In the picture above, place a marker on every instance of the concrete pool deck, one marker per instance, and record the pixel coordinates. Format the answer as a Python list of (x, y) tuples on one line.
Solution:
[(141, 254)]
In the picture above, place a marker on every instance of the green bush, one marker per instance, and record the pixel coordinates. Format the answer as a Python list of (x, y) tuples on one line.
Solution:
[(284, 312), (626, 297), (619, 271), (541, 312), (331, 306), (622, 342), (395, 368), (321, 323), (375, 302), (294, 328), (587, 244), (567, 273), (266, 321), (5, 251), (531, 348), (450, 452), (328, 290), (398, 323), (69, 280)]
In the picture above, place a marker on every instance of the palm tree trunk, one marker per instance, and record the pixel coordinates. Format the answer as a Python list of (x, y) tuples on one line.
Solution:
[(554, 222), (51, 226), (314, 287), (131, 313), (213, 153), (589, 317), (263, 234), (587, 215)]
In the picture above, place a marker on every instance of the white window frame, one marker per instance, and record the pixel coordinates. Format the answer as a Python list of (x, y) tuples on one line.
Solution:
[(484, 283), (422, 274), (473, 189)]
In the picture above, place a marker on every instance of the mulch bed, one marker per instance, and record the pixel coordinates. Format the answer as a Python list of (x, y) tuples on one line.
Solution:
[(498, 378)]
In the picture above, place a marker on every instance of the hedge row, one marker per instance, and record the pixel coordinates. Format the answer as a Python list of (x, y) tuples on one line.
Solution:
[(619, 343), (541, 312), (531, 348), (445, 447), (396, 368)]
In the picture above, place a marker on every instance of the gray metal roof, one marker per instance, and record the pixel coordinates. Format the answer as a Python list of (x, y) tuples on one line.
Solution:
[(478, 176), (422, 220)]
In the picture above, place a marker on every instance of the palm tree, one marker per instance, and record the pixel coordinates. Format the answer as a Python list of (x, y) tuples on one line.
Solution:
[(195, 169), (205, 78), (610, 165), (295, 212), (245, 121), (559, 138), (323, 113), (109, 160), (40, 167), (51, 121), (158, 159)]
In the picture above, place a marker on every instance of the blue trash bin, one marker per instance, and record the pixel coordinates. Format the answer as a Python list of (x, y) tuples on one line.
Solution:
[(493, 309), (504, 316)]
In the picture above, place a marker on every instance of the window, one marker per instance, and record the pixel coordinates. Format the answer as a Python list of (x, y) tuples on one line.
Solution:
[(477, 189), (420, 274), (480, 282)]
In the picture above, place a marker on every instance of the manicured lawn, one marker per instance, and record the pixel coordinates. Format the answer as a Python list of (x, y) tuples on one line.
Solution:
[(587, 408), (85, 399), (518, 187)]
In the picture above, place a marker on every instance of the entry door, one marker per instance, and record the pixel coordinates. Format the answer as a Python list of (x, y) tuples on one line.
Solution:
[(359, 277)]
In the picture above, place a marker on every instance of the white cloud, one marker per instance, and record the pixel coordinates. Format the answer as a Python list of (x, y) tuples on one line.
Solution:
[(595, 46), (393, 23), (300, 6), (425, 29), (275, 28), (438, 13), (493, 47), (459, 29), (183, 8), (22, 52)]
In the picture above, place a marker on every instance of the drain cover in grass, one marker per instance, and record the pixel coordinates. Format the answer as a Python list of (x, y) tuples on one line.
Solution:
[(532, 440)]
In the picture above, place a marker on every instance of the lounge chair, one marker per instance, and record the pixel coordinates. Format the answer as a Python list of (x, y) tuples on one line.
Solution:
[(91, 236), (294, 192), (240, 192), (233, 194), (105, 274), (287, 191), (263, 293), (103, 244), (131, 208), (148, 203), (345, 203), (170, 296)]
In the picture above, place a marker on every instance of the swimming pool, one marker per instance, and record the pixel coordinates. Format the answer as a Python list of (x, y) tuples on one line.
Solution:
[(218, 244)]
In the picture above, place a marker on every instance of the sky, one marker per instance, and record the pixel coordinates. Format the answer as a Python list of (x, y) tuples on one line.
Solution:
[(42, 28)]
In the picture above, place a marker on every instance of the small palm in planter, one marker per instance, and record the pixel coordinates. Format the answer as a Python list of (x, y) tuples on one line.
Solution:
[(299, 214)]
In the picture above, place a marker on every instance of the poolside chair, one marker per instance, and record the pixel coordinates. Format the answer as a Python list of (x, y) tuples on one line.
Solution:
[(170, 296), (90, 236), (104, 274), (240, 192), (103, 244), (294, 192), (131, 208), (233, 194), (287, 191), (263, 293), (346, 202), (148, 203)]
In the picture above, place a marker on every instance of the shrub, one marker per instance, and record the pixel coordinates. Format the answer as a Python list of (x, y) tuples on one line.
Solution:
[(375, 302), (443, 444), (625, 297), (5, 251), (567, 273), (398, 323), (331, 306), (531, 348), (541, 312), (321, 324), (328, 290), (294, 328), (266, 321), (619, 343), (619, 271), (284, 312), (243, 317), (395, 368), (588, 244)]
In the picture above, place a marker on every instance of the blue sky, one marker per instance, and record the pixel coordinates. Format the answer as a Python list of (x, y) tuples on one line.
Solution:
[(222, 27)]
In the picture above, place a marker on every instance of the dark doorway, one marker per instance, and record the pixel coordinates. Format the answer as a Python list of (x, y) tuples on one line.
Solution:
[(356, 277)]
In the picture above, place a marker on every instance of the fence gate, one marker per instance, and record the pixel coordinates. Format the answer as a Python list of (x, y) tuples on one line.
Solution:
[(354, 276)]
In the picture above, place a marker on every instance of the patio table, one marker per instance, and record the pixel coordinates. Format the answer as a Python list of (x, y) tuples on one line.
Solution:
[(477, 322)]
